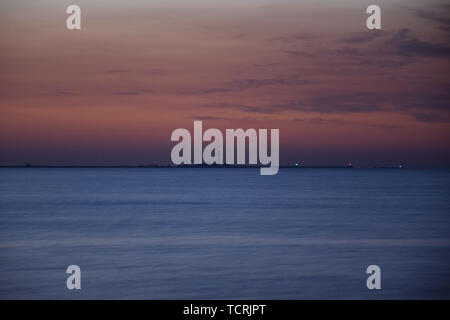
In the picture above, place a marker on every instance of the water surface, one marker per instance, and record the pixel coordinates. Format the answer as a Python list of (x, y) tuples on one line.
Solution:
[(149, 233)]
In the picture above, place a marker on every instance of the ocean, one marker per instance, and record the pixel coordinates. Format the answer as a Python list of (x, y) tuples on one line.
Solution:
[(186, 233)]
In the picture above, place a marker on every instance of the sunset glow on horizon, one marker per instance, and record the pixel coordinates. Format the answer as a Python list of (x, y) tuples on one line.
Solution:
[(112, 92)]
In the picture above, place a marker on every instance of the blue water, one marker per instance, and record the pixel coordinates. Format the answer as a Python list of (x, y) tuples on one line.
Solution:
[(224, 233)]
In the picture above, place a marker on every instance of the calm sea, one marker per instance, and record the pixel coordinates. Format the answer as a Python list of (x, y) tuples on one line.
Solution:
[(224, 233)]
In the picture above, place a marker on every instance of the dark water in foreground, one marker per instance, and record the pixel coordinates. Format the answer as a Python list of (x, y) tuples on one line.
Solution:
[(224, 233)]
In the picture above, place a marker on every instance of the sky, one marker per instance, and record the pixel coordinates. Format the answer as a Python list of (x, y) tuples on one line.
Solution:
[(112, 92)]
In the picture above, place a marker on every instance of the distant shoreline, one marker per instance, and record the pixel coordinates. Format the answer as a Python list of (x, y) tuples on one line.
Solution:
[(188, 167)]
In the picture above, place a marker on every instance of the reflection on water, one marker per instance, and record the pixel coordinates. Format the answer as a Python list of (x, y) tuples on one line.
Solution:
[(224, 233)]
